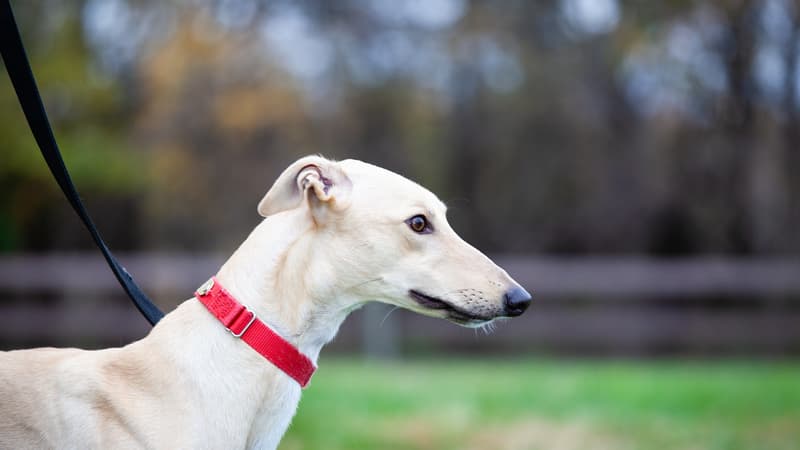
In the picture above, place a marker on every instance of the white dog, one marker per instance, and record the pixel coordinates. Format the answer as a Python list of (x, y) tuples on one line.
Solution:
[(336, 235)]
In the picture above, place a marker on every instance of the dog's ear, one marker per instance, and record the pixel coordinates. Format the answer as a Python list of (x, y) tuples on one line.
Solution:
[(314, 180)]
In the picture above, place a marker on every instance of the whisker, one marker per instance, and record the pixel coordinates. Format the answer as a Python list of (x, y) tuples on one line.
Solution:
[(488, 328), (365, 282), (387, 316), (445, 294)]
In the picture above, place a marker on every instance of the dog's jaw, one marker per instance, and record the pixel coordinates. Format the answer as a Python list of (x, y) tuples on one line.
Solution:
[(451, 312)]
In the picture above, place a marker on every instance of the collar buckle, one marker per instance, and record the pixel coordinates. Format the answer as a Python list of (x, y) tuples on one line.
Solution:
[(244, 330)]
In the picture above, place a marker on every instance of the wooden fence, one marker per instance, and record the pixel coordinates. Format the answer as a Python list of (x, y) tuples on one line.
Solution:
[(598, 305)]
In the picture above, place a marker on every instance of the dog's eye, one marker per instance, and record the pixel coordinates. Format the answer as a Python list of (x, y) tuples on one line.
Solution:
[(419, 224)]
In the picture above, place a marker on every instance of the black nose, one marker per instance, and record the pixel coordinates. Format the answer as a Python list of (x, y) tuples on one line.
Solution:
[(517, 301)]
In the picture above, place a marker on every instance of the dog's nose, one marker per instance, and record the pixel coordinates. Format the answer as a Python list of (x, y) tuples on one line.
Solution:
[(516, 301)]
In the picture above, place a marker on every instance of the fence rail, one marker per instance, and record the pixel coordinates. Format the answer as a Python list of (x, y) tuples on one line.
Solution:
[(591, 304)]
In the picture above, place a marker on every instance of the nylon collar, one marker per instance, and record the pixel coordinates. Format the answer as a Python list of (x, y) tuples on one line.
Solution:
[(243, 324)]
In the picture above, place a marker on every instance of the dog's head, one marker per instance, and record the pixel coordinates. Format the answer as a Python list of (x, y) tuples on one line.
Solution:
[(383, 237)]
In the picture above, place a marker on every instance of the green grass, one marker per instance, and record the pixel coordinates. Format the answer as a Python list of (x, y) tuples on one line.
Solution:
[(548, 404)]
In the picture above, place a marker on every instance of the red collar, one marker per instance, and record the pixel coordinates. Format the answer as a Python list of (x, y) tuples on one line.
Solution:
[(243, 323)]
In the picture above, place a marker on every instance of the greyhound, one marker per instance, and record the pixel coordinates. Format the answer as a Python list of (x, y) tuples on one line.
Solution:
[(335, 235)]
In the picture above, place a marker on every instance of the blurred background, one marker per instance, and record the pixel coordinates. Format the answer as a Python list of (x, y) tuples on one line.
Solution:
[(635, 165)]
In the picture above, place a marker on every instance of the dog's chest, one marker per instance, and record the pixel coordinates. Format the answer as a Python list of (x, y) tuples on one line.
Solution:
[(273, 419)]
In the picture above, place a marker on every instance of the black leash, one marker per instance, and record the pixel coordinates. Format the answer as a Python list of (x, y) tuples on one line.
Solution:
[(19, 70)]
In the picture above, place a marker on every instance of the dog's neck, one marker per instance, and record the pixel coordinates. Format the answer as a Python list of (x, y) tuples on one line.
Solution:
[(273, 274), (276, 273)]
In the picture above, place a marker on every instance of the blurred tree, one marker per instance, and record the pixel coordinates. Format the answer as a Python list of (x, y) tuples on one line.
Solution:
[(564, 126), (89, 115)]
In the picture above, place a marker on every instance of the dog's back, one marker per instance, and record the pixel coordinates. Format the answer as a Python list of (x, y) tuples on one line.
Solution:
[(26, 375), (40, 388)]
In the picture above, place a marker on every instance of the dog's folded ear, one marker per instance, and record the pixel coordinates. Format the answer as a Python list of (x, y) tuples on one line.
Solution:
[(313, 179)]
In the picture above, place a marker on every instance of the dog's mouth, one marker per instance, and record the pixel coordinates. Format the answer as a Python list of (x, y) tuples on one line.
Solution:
[(452, 312)]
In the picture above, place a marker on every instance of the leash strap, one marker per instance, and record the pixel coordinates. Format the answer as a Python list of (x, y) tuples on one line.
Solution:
[(19, 70), (243, 324)]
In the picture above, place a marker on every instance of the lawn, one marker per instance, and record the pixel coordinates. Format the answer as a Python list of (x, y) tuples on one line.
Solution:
[(549, 404)]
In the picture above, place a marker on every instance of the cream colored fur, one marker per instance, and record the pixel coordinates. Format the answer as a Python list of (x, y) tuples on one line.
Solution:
[(335, 236)]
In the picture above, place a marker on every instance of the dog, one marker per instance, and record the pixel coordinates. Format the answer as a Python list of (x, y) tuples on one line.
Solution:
[(335, 235)]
